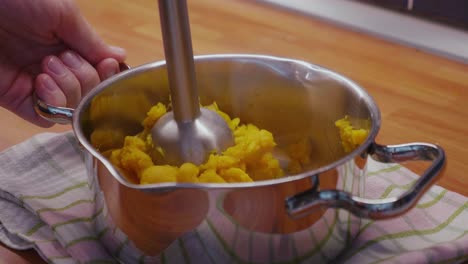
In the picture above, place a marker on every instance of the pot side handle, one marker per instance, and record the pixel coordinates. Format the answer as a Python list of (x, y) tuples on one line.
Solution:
[(56, 114), (300, 205)]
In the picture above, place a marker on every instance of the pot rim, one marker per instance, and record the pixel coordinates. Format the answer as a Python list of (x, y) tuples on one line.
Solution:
[(369, 101)]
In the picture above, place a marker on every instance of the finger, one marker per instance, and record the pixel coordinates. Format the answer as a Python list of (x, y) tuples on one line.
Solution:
[(48, 91), (21, 103), (77, 33), (107, 68), (27, 112), (64, 78), (86, 74)]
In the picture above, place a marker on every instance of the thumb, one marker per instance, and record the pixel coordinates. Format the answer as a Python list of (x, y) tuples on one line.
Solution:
[(78, 34)]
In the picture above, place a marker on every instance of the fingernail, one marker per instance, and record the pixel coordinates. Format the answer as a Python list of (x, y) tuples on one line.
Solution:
[(50, 84), (118, 50), (55, 66), (72, 60)]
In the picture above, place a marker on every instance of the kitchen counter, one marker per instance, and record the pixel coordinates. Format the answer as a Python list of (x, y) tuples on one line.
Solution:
[(422, 97)]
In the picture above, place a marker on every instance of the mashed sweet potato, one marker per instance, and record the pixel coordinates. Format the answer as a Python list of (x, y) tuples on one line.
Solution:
[(250, 159), (350, 136)]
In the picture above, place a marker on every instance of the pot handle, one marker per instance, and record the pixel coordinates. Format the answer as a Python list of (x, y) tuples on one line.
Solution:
[(56, 114), (303, 203)]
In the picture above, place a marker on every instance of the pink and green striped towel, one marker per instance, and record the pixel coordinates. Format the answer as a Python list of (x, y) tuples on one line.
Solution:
[(46, 204)]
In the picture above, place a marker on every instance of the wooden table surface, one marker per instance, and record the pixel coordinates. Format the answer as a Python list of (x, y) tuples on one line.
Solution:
[(422, 97)]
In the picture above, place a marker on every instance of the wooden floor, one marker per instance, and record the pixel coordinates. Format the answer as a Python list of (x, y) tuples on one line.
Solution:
[(422, 97)]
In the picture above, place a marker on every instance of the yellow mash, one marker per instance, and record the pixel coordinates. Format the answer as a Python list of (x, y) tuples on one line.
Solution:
[(250, 159), (350, 137)]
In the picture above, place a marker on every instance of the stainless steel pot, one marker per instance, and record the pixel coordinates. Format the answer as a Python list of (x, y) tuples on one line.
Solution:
[(294, 100)]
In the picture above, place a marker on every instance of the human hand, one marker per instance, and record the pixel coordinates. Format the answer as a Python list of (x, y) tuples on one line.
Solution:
[(48, 48)]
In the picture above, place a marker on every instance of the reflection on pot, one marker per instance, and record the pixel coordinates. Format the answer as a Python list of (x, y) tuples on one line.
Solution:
[(256, 234)]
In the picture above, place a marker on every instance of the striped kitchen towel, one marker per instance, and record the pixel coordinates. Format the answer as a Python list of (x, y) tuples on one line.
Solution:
[(46, 204)]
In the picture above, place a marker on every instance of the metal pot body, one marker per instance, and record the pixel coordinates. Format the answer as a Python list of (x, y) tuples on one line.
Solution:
[(223, 224), (295, 218)]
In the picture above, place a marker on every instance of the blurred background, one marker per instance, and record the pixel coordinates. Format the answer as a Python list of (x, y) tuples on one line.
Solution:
[(453, 13), (436, 26)]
